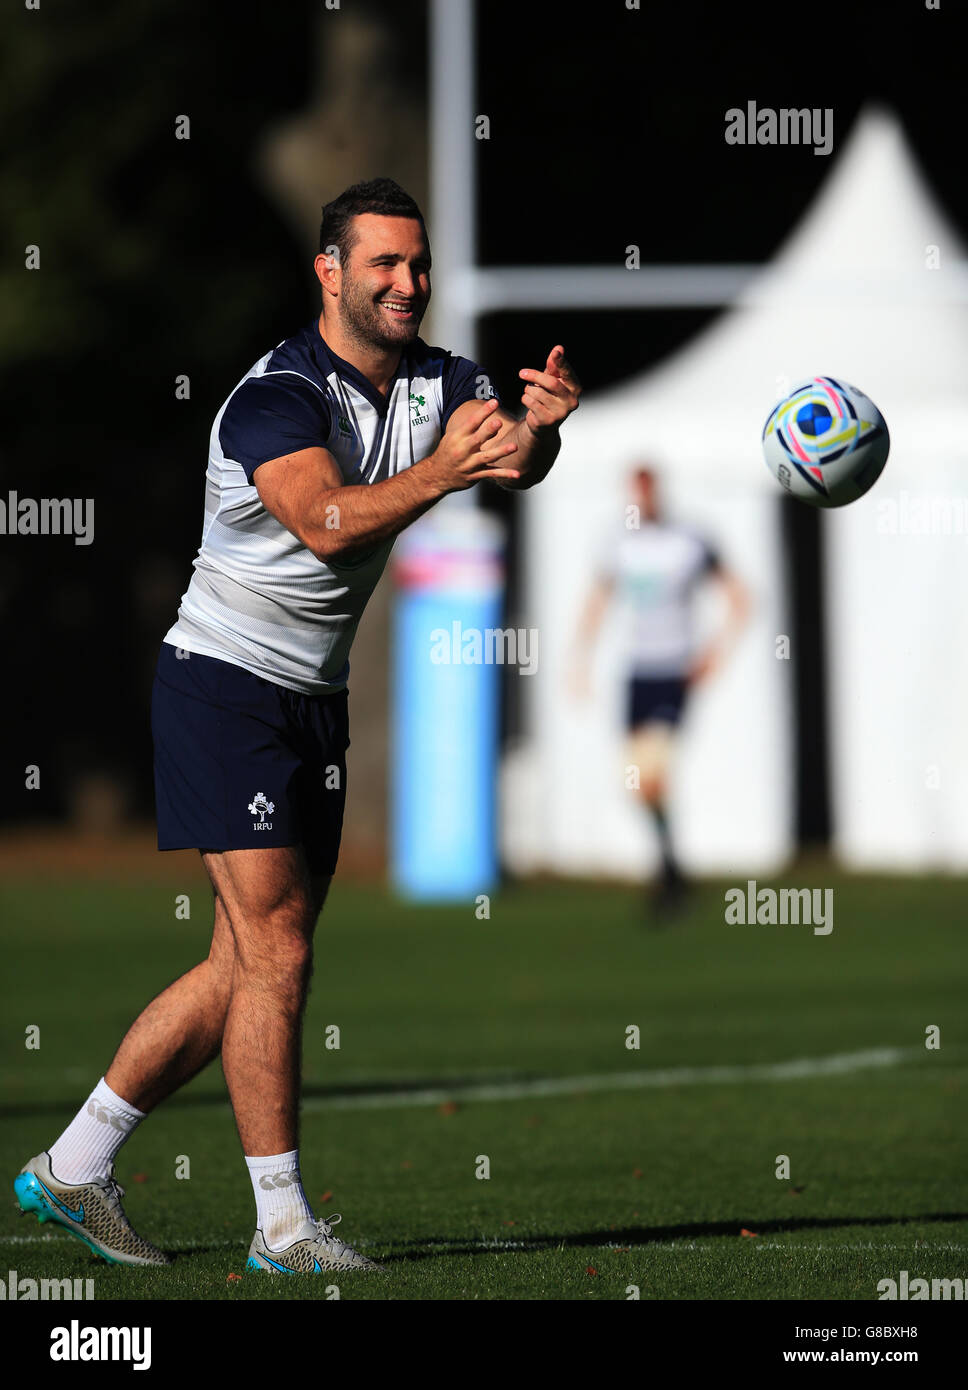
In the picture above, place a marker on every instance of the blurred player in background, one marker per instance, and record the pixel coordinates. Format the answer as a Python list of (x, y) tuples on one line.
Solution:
[(654, 568)]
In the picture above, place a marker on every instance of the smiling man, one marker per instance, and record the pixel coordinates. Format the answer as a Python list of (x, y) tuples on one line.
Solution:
[(329, 446)]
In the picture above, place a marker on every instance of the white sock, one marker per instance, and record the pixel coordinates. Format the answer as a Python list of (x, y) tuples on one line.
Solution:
[(89, 1144), (281, 1205)]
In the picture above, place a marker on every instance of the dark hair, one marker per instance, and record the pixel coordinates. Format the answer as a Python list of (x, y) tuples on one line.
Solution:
[(382, 196)]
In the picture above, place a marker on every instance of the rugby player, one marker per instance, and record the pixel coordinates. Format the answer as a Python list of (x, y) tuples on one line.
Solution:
[(653, 570), (329, 446)]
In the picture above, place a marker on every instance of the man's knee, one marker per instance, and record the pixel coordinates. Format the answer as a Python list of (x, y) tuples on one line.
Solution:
[(650, 751), (221, 955), (275, 954), (652, 790)]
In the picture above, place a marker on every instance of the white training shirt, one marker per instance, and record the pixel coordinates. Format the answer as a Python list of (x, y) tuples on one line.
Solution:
[(656, 568), (258, 598)]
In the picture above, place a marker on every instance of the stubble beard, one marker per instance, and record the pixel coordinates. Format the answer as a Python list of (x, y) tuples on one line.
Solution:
[(364, 322)]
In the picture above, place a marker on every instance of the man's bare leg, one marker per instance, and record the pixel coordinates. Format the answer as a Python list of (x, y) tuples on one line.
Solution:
[(272, 903), (177, 1035), (245, 1000), (651, 747), (247, 997), (180, 1031)]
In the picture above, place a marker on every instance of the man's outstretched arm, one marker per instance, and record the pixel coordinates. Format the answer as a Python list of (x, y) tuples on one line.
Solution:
[(305, 490)]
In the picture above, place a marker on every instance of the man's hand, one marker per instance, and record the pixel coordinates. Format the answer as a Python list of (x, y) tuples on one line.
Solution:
[(468, 454), (704, 666), (550, 396)]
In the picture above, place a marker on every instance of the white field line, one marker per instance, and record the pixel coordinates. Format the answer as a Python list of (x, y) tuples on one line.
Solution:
[(392, 1097), (839, 1064), (795, 1070)]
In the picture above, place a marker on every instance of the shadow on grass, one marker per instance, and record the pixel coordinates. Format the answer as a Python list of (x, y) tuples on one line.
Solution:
[(432, 1247)]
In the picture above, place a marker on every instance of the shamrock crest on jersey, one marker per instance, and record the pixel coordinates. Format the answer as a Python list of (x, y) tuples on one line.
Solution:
[(260, 806), (418, 414)]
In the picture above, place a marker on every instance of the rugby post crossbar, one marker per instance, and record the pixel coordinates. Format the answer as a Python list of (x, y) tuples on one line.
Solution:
[(477, 291)]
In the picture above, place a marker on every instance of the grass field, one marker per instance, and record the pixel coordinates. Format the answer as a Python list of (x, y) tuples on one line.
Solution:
[(506, 1038)]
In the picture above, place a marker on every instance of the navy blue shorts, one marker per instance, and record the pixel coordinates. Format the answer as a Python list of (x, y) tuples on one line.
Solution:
[(652, 701), (242, 763)]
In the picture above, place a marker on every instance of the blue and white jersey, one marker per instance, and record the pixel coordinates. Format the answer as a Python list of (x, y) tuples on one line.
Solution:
[(655, 569), (258, 598)]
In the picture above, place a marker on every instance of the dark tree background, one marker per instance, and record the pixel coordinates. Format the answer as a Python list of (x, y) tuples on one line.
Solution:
[(162, 258)]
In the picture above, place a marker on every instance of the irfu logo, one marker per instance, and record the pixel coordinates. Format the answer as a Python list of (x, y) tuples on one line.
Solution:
[(418, 415), (260, 806)]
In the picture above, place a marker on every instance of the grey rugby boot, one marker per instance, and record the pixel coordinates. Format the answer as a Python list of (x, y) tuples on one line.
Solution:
[(91, 1211), (315, 1250)]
